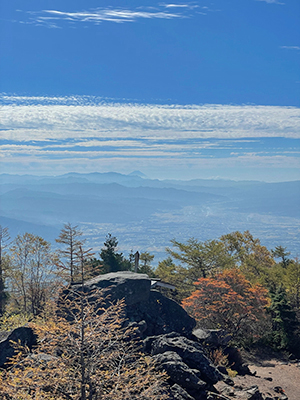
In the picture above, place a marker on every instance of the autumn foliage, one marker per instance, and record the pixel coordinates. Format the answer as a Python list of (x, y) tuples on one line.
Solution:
[(90, 355), (230, 301)]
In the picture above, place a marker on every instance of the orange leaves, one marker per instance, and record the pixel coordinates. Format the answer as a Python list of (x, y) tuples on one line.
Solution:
[(228, 300)]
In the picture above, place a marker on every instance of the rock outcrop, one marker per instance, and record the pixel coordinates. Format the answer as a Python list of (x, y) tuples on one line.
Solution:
[(158, 313), (190, 352), (165, 329), (23, 335), (213, 337), (179, 372), (134, 288)]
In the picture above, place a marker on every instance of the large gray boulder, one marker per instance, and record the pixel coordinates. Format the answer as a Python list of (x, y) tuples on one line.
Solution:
[(23, 335), (164, 326), (178, 393), (159, 313), (189, 351), (179, 372), (131, 287), (212, 337), (162, 315)]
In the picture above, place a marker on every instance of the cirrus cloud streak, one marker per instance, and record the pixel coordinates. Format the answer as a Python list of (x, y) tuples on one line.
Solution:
[(53, 18)]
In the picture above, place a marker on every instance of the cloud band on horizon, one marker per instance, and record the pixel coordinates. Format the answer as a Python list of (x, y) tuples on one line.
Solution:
[(103, 134), (65, 117)]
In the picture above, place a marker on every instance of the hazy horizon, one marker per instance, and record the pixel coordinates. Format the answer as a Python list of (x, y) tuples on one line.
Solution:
[(146, 214), (131, 173)]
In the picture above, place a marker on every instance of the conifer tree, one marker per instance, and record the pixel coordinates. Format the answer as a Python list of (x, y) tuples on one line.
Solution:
[(112, 260), (280, 252), (171, 273), (200, 258), (285, 332), (70, 237), (145, 264)]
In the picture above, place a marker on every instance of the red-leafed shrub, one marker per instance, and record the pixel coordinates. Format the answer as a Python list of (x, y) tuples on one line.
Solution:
[(229, 301)]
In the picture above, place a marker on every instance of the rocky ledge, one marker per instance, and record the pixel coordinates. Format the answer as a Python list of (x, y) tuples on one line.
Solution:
[(168, 335)]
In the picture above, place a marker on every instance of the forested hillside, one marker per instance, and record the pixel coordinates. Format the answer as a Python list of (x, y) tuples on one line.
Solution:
[(232, 283)]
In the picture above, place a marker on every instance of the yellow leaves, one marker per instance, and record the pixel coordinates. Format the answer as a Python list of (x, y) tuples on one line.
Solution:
[(218, 357), (91, 353), (10, 321)]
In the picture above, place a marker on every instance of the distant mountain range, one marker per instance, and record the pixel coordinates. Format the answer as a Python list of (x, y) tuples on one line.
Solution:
[(145, 214)]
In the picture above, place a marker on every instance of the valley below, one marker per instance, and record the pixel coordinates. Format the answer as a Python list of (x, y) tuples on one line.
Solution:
[(146, 214)]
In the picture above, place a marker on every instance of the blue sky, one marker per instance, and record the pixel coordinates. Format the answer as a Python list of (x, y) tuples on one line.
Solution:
[(174, 89)]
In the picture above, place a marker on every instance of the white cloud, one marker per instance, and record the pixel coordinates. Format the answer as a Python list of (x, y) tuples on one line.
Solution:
[(66, 154), (114, 120), (118, 15), (290, 47), (80, 135), (110, 148), (171, 5), (272, 2), (106, 15), (69, 162)]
